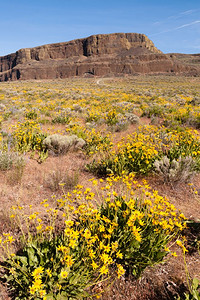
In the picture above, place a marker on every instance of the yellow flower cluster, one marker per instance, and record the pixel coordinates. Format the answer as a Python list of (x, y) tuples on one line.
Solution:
[(37, 286), (28, 136), (138, 151), (97, 239)]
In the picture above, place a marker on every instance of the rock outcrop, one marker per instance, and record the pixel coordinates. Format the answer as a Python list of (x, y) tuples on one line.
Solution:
[(103, 54)]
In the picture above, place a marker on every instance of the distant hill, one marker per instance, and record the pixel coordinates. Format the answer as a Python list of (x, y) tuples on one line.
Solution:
[(100, 55)]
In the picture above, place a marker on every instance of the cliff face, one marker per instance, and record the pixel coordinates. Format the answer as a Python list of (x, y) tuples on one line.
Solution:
[(119, 53)]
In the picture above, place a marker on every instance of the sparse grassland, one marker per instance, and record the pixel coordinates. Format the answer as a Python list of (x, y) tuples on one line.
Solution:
[(100, 188)]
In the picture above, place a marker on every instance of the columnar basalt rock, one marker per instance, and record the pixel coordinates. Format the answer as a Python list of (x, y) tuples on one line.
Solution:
[(103, 54)]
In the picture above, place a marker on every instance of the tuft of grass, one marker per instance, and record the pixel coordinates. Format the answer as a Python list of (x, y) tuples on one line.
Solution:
[(9, 160), (59, 180)]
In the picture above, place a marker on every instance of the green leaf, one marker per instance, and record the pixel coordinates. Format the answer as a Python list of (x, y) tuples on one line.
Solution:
[(195, 284), (50, 296), (33, 260), (23, 260)]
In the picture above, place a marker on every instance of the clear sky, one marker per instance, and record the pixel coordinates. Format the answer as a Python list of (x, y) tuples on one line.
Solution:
[(173, 25)]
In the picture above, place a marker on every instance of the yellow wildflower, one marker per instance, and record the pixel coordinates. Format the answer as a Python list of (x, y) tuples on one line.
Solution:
[(64, 274)]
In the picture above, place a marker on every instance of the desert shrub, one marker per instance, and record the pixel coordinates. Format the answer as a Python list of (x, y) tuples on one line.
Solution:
[(9, 160), (121, 125), (129, 231), (132, 118), (77, 108), (181, 170), (60, 144)]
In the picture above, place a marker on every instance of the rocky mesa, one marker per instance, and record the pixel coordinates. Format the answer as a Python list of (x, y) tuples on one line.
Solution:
[(100, 55)]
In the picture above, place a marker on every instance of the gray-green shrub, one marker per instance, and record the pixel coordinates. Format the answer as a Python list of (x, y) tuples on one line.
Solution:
[(181, 170), (61, 144)]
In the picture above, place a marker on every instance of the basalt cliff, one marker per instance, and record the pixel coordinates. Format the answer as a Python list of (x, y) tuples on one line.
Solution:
[(100, 55)]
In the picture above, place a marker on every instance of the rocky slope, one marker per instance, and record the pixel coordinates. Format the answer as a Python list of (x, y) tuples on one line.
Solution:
[(103, 54)]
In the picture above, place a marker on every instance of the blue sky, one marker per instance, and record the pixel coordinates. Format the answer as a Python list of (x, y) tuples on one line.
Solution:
[(174, 26)]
